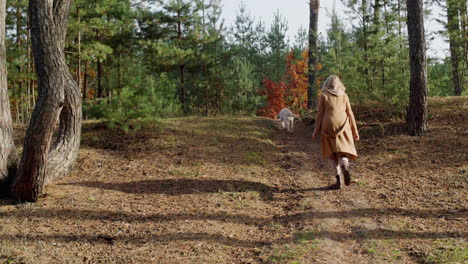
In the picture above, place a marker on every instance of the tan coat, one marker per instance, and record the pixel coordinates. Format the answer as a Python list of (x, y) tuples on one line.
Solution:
[(336, 125)]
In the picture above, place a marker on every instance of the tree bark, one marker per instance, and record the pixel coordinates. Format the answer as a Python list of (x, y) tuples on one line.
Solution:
[(59, 100), (417, 110), (365, 28), (78, 69), (8, 156), (100, 91), (85, 82), (464, 32), (454, 32), (182, 65), (22, 111), (377, 21), (314, 7)]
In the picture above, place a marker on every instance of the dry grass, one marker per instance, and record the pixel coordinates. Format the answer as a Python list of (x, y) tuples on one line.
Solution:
[(239, 190)]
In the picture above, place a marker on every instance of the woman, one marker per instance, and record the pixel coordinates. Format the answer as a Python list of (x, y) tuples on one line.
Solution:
[(337, 127)]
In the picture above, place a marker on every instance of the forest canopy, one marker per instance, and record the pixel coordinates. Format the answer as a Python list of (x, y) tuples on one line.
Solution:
[(144, 59)]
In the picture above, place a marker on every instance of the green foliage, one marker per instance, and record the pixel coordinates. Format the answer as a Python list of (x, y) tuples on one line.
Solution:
[(439, 78), (372, 57), (243, 97), (144, 99), (277, 48), (153, 55)]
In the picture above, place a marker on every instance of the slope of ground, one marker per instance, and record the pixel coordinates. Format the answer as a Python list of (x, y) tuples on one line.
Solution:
[(240, 190)]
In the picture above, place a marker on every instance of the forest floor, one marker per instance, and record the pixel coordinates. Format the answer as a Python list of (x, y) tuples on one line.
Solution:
[(241, 190)]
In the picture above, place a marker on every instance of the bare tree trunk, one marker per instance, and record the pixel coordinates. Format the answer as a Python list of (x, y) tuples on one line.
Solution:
[(181, 67), (59, 99), (314, 7), (365, 26), (31, 98), (417, 110), (464, 44), (85, 86), (182, 87), (119, 73), (21, 109), (454, 32), (8, 156), (100, 92), (17, 110), (464, 32), (28, 72), (78, 70), (85, 82)]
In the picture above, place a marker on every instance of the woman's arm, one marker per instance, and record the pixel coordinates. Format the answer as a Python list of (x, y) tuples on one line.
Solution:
[(318, 119), (352, 121)]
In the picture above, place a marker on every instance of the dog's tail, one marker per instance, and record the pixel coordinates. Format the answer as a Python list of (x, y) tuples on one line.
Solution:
[(298, 117)]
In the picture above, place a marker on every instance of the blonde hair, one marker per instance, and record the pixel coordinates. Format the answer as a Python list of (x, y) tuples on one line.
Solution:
[(333, 84)]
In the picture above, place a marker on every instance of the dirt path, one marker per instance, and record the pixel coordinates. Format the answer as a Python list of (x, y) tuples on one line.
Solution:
[(336, 229), (406, 204), (240, 190)]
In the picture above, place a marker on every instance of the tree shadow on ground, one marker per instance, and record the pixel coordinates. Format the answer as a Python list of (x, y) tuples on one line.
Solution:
[(6, 201), (379, 234), (261, 222), (117, 216), (201, 140), (173, 187), (190, 186)]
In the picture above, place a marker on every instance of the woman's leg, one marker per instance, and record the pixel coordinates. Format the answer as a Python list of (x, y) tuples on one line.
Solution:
[(334, 163), (344, 164)]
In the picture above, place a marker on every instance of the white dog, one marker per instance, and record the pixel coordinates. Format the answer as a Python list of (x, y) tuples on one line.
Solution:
[(287, 119)]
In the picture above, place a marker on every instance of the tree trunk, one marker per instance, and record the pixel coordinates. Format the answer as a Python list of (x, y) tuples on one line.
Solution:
[(28, 72), (377, 21), (59, 100), (365, 27), (85, 86), (182, 87), (22, 111), (100, 92), (181, 66), (454, 32), (464, 25), (119, 73), (85, 82), (417, 110), (313, 53), (8, 156), (78, 70), (464, 32)]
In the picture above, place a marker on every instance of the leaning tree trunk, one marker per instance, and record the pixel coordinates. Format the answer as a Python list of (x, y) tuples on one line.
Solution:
[(313, 53), (417, 110), (59, 100), (8, 156)]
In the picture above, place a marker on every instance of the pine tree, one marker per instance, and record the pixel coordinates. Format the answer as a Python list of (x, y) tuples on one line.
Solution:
[(8, 156), (314, 8), (59, 100), (277, 48), (456, 19), (417, 110)]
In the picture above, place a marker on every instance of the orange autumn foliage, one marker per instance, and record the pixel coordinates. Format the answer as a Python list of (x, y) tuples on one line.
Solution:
[(275, 98), (297, 80), (292, 92)]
